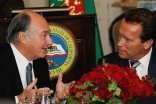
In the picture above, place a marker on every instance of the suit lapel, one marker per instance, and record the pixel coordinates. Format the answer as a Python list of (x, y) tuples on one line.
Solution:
[(152, 64), (12, 73), (40, 68), (121, 62), (38, 73), (124, 63), (11, 69)]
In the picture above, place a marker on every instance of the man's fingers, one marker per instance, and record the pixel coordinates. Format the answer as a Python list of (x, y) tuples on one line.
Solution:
[(71, 84), (32, 84), (44, 91), (60, 77)]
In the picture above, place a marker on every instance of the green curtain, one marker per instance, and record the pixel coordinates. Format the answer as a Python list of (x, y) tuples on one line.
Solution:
[(55, 3), (90, 9)]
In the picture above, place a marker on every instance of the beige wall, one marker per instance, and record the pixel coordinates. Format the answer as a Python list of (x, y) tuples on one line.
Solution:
[(36, 3), (105, 15)]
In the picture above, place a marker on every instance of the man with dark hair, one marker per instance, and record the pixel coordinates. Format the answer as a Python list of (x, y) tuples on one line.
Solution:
[(27, 43), (136, 42)]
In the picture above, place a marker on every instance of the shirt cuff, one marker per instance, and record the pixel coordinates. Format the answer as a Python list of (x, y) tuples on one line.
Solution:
[(53, 99), (16, 100)]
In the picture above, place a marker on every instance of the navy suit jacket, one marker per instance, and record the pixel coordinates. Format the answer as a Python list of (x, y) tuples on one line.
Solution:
[(113, 58), (10, 81)]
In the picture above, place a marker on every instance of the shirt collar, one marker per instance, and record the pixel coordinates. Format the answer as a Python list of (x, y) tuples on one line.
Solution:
[(21, 61), (145, 60)]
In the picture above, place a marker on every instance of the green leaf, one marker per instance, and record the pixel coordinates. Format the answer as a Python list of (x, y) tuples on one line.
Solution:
[(114, 100), (97, 99), (117, 92), (112, 86), (104, 62), (85, 85), (70, 100)]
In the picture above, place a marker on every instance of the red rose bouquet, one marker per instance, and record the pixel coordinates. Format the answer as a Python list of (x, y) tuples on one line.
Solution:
[(110, 84)]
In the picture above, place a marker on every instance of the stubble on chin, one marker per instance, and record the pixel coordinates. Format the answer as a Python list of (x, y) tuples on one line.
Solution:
[(121, 56)]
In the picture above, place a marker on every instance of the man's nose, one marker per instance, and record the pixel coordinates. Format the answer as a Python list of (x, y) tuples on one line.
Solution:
[(49, 40), (120, 42)]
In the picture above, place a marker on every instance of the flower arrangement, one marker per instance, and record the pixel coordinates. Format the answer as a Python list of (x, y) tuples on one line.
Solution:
[(110, 84)]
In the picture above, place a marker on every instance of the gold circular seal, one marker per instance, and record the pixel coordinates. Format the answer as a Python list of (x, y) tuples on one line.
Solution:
[(62, 54)]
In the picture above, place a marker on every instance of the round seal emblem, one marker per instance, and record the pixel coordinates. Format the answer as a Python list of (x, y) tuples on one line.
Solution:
[(62, 54)]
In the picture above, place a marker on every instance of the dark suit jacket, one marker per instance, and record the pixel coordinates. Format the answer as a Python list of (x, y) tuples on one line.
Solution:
[(148, 100), (10, 82), (113, 58)]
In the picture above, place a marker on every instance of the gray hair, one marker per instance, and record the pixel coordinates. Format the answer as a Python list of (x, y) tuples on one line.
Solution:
[(19, 23)]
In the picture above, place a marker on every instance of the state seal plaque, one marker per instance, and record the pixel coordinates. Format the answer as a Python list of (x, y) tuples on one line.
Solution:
[(62, 54)]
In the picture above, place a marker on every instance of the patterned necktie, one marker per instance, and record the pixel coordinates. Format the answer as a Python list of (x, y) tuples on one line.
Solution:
[(134, 64), (29, 74)]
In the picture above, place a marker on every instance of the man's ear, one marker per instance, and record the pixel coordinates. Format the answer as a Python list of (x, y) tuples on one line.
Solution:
[(22, 37), (148, 43)]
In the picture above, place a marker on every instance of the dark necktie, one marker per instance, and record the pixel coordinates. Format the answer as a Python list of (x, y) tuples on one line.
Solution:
[(134, 64), (29, 74)]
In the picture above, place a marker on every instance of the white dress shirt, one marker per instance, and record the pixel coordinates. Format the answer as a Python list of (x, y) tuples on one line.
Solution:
[(142, 69), (22, 63)]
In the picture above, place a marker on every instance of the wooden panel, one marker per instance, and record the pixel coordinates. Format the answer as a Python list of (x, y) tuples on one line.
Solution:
[(83, 29)]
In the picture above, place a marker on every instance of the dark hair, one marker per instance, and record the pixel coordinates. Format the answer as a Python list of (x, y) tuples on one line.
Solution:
[(20, 23), (147, 20)]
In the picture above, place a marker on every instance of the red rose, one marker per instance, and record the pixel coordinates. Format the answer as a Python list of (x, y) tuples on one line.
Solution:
[(130, 72), (126, 94), (97, 82), (115, 72), (144, 89), (125, 82), (99, 79), (84, 78), (103, 93), (145, 79), (100, 68), (74, 90)]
